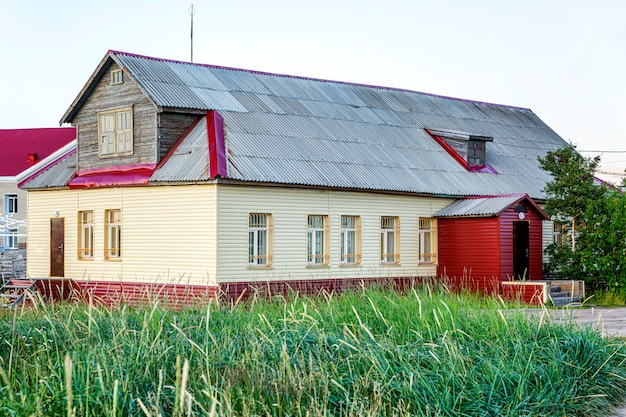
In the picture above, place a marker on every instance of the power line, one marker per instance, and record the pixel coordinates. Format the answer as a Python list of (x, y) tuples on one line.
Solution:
[(584, 150)]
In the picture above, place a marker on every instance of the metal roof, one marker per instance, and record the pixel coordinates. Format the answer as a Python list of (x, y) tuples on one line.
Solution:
[(17, 144), (294, 130), (57, 175), (478, 207)]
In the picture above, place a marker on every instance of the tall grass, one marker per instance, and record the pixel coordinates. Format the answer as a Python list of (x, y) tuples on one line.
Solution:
[(424, 353)]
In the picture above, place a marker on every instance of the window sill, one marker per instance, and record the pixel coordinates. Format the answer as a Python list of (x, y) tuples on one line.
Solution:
[(257, 267), (316, 266), (355, 265)]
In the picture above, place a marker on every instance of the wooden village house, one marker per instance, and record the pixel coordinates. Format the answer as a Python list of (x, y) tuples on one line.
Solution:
[(194, 179)]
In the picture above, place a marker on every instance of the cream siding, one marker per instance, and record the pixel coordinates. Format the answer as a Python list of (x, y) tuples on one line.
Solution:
[(547, 238), (168, 233), (290, 207)]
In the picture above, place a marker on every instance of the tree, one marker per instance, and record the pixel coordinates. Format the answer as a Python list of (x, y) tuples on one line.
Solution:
[(595, 215)]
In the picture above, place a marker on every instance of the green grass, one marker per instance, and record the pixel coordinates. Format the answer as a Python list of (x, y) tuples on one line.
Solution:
[(371, 353), (607, 298)]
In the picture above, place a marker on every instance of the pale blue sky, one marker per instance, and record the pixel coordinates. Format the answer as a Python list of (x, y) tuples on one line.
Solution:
[(566, 60)]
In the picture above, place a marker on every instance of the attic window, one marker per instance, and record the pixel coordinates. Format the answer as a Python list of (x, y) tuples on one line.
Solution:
[(117, 77), (468, 149), (476, 153)]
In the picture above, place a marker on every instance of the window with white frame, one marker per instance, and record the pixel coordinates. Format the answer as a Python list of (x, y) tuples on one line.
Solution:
[(10, 238), (389, 240), (427, 245), (259, 240), (10, 204), (117, 77), (112, 234), (317, 244), (560, 233), (116, 132), (85, 234), (350, 251)]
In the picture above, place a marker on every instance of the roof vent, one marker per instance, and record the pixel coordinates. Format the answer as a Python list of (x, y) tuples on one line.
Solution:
[(32, 157)]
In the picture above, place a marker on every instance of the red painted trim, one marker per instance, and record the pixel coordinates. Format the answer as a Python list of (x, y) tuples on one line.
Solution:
[(132, 174), (217, 150), (484, 169)]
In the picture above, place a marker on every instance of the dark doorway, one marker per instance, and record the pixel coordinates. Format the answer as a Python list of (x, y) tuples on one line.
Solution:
[(521, 247), (57, 247)]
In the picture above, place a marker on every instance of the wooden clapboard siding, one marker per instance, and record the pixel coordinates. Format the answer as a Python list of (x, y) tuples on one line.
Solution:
[(110, 97), (290, 207), (168, 233)]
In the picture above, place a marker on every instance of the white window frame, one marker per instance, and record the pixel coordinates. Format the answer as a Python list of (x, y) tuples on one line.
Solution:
[(259, 240), (85, 234), (317, 240), (117, 77), (113, 234), (427, 250), (389, 240), (11, 239), (350, 240), (10, 204), (115, 132)]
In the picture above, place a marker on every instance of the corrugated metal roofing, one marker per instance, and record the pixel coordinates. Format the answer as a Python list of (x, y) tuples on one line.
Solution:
[(59, 175), (478, 207), (295, 130)]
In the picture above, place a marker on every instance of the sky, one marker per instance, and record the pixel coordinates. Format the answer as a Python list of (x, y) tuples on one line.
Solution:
[(563, 59)]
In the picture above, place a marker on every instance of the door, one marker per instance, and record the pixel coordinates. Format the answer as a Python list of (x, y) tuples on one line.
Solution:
[(57, 247), (521, 249)]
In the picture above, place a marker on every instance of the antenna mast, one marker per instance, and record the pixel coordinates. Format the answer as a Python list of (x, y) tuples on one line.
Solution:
[(191, 13)]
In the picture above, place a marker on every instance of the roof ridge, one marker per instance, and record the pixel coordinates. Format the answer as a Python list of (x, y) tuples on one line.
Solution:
[(114, 52)]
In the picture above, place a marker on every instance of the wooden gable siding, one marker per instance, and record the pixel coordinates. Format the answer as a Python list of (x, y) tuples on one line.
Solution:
[(171, 127), (535, 236), (168, 233), (110, 97), (289, 209), (469, 250)]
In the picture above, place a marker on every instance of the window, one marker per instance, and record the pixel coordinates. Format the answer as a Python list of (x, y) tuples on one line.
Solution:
[(427, 244), (10, 238), (112, 234), (85, 234), (10, 204), (259, 239), (350, 240), (389, 240), (317, 244), (117, 77), (116, 132), (560, 233), (476, 153)]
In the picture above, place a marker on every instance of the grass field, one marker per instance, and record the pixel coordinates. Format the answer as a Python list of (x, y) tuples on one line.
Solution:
[(371, 353)]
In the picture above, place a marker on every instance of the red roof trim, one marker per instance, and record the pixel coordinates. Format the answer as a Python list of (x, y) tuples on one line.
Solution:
[(217, 150), (134, 174)]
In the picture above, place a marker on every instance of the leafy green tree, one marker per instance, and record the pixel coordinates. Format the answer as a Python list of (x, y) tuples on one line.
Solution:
[(594, 215)]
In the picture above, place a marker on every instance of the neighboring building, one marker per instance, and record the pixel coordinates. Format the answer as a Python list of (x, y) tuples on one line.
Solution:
[(23, 151), (203, 178)]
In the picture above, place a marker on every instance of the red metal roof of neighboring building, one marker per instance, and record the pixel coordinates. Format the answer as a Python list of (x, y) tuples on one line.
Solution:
[(22, 148)]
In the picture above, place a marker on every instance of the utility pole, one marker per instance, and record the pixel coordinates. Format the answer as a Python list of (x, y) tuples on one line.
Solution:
[(192, 10)]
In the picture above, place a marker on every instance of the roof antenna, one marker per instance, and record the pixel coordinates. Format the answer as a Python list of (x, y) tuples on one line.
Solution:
[(191, 10)]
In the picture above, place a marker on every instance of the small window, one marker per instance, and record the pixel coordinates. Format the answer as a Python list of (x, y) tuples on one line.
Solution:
[(476, 153), (389, 240), (259, 240), (560, 233), (350, 240), (112, 234), (117, 77), (116, 132), (427, 245), (317, 240), (10, 238), (10, 204), (85, 235)]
